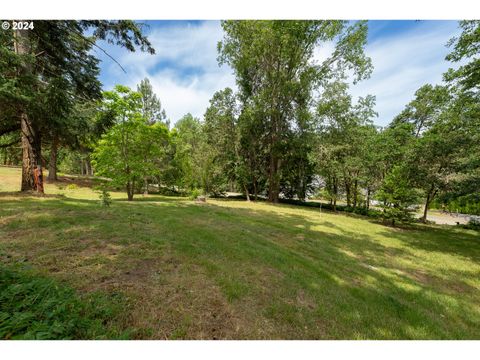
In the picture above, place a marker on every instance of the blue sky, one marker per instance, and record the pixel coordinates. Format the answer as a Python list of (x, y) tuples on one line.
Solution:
[(185, 73)]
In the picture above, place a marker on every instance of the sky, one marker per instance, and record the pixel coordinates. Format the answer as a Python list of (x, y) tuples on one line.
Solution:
[(185, 73)]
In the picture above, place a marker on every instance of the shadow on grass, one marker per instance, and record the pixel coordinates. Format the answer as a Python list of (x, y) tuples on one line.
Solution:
[(310, 282), (30, 194), (154, 198), (451, 241)]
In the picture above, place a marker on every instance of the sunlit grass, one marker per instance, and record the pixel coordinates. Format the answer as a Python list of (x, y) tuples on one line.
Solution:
[(232, 269)]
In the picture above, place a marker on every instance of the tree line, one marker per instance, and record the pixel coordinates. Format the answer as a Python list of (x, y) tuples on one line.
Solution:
[(291, 130)]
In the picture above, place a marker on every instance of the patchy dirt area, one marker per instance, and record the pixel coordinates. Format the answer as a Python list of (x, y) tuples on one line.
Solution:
[(447, 219)]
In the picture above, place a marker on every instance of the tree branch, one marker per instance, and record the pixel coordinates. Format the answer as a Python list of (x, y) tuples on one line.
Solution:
[(10, 129), (10, 143)]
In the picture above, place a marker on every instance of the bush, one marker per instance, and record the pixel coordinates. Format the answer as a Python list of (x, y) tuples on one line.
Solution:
[(473, 224), (71, 187), (466, 204), (341, 208), (194, 194), (105, 198)]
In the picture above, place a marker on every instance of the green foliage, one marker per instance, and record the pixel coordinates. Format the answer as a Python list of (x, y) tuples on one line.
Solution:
[(152, 110), (466, 204), (346, 154), (194, 193), (37, 308), (222, 142), (71, 187), (398, 197), (473, 224), (291, 129), (105, 198), (273, 65), (130, 150), (189, 156), (466, 46), (47, 72), (424, 111)]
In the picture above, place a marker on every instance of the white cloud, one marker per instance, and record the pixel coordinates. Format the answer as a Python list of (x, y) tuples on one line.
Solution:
[(403, 63), (184, 71)]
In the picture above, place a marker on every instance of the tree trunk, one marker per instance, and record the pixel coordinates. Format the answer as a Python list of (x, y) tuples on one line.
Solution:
[(31, 156), (273, 181), (368, 198), (130, 187), (347, 190), (355, 189), (31, 142), (52, 166), (145, 183), (87, 171), (430, 196), (246, 192), (335, 192), (88, 165)]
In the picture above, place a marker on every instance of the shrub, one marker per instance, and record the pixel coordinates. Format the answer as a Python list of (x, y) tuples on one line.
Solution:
[(473, 224), (339, 208), (105, 198), (71, 187), (195, 193)]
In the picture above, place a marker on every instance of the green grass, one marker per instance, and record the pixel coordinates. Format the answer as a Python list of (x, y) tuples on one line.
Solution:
[(33, 307), (232, 269)]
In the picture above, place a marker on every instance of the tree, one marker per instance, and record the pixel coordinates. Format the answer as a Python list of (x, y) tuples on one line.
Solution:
[(463, 84), (152, 109), (442, 140), (343, 130), (221, 136), (424, 110), (398, 196), (127, 152), (53, 60), (188, 143), (466, 46), (276, 74), (250, 172), (73, 131), (441, 155)]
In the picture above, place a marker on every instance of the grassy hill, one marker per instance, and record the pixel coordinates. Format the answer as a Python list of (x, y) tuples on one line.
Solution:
[(164, 268)]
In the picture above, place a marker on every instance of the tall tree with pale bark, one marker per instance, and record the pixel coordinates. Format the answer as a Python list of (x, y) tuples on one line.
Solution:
[(276, 72)]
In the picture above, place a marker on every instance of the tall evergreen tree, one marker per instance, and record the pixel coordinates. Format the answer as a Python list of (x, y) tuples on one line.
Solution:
[(152, 109), (53, 61)]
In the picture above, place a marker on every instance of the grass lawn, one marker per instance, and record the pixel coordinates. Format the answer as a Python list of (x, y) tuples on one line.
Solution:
[(169, 268)]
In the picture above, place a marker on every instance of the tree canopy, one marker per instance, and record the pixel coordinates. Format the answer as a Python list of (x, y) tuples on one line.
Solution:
[(290, 131)]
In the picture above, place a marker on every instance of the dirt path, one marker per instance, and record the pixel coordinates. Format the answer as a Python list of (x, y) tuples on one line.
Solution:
[(447, 219)]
